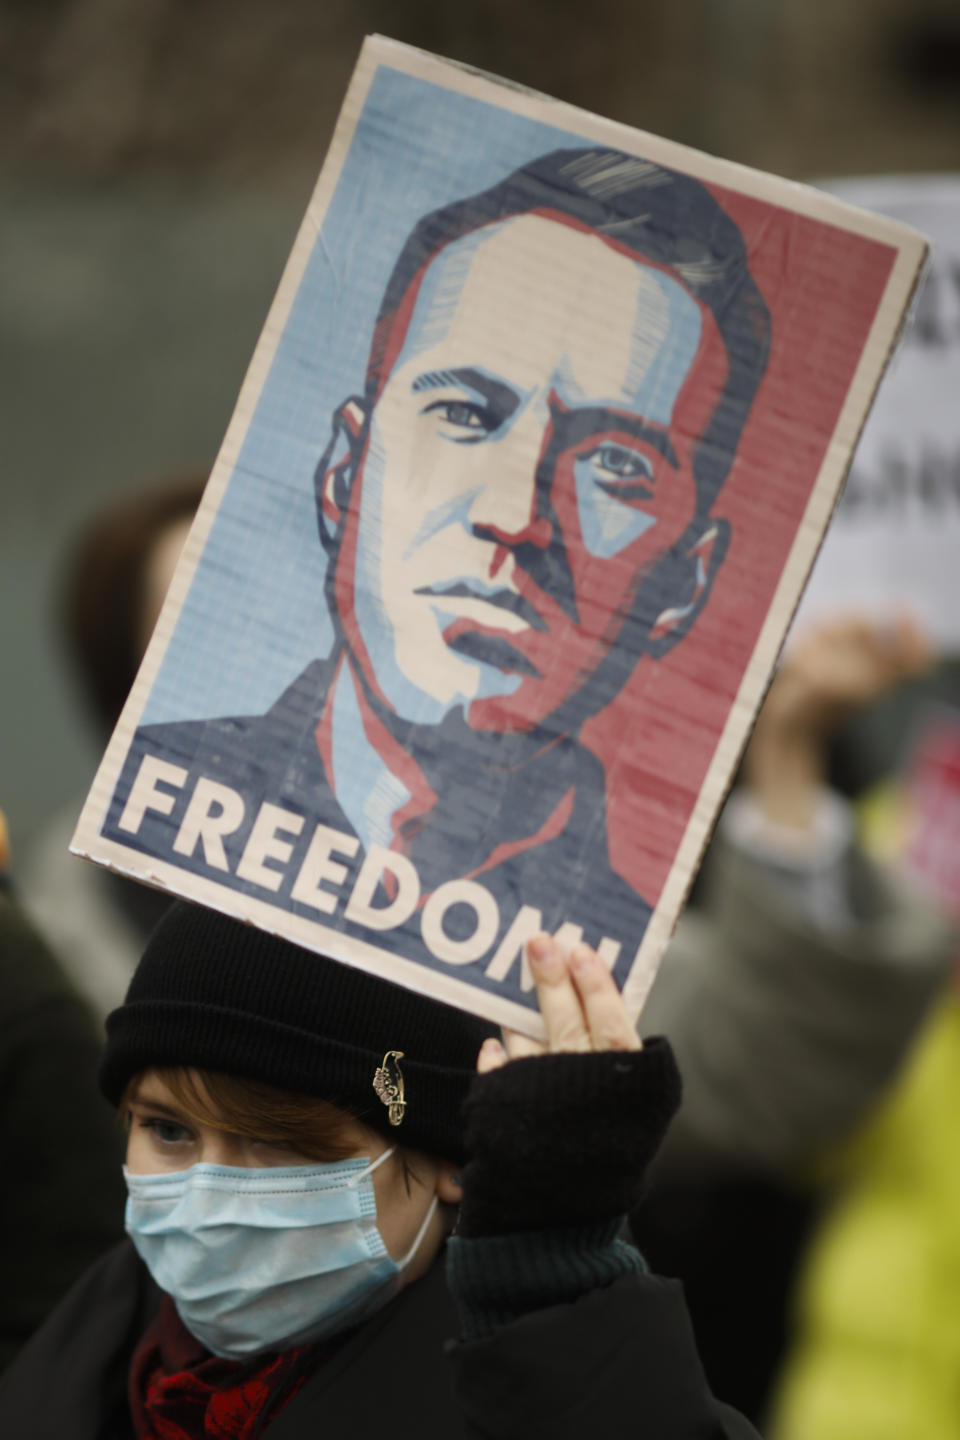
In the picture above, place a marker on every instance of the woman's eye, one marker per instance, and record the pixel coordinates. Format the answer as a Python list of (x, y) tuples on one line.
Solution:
[(168, 1132)]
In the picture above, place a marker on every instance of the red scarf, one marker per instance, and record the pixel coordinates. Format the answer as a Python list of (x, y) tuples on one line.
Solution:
[(179, 1391)]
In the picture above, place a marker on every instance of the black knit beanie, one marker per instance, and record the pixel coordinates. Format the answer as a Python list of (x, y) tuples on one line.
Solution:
[(216, 994)]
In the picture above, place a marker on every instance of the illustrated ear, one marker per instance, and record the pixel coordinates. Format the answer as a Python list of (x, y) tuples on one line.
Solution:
[(338, 467), (700, 561)]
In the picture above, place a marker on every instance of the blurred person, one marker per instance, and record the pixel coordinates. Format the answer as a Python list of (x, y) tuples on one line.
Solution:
[(877, 1347), (793, 994), (302, 1139), (877, 1334), (61, 1190), (114, 582), (846, 953)]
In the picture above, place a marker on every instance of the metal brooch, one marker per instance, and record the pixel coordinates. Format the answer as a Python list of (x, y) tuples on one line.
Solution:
[(388, 1083)]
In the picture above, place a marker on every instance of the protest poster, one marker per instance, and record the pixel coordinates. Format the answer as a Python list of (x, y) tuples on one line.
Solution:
[(892, 548), (524, 481)]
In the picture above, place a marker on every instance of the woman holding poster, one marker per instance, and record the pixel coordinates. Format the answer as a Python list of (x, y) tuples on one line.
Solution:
[(330, 1177)]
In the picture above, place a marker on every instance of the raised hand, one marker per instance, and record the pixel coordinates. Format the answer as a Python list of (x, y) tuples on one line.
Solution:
[(581, 1007)]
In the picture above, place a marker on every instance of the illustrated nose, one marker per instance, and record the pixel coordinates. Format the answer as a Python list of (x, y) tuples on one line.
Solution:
[(517, 513), (536, 532), (509, 509)]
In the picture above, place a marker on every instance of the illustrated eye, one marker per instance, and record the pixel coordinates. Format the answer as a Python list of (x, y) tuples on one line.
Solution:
[(621, 463), (463, 415)]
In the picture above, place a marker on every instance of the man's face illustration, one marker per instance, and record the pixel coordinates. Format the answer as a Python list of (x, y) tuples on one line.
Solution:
[(529, 463)]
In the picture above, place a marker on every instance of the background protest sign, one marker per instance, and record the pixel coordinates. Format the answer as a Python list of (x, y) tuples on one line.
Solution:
[(529, 468), (894, 543), (931, 805)]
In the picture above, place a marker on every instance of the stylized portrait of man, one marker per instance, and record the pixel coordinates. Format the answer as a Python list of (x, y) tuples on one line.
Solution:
[(525, 499)]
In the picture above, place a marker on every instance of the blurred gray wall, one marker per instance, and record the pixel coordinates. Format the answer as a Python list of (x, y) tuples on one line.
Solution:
[(127, 317), (156, 158)]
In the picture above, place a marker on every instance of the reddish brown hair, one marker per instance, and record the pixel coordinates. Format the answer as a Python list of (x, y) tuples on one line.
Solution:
[(315, 1128)]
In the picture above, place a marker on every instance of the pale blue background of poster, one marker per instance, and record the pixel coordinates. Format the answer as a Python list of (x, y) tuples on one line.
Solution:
[(255, 615)]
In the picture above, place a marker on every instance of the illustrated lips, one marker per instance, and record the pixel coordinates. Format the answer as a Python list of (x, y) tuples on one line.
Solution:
[(502, 598)]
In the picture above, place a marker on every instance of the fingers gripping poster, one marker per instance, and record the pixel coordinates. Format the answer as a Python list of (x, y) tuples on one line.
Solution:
[(530, 465)]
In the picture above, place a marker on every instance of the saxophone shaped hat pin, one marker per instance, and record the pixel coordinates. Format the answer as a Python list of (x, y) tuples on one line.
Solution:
[(388, 1083)]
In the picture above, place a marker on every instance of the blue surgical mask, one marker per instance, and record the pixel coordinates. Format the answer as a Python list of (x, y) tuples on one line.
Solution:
[(265, 1259)]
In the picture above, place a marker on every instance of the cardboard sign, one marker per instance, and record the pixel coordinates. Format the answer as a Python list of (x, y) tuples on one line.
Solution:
[(895, 542), (530, 465)]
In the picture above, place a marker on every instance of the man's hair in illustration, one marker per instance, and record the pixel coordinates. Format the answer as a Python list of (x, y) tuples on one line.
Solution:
[(665, 218)]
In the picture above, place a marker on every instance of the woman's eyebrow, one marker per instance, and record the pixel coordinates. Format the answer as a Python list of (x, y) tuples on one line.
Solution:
[(146, 1101)]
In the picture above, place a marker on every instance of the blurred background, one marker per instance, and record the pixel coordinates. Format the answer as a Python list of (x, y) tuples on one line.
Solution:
[(156, 159)]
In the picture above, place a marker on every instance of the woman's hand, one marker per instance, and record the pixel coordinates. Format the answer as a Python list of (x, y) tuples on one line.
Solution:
[(581, 1007), (564, 1141)]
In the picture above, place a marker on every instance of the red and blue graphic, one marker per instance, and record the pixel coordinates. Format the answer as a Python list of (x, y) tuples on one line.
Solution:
[(506, 523)]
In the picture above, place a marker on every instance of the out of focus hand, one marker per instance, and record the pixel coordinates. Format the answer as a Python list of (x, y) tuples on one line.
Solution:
[(581, 1007), (841, 666), (837, 668)]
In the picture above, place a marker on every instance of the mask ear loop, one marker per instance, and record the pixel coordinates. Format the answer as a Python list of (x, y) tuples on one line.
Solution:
[(431, 1211), (365, 1174)]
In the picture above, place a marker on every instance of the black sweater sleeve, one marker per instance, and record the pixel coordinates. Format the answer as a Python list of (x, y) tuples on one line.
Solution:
[(564, 1331), (558, 1145), (562, 1140)]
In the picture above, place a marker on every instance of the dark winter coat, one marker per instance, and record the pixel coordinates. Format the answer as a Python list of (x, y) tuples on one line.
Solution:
[(618, 1362)]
